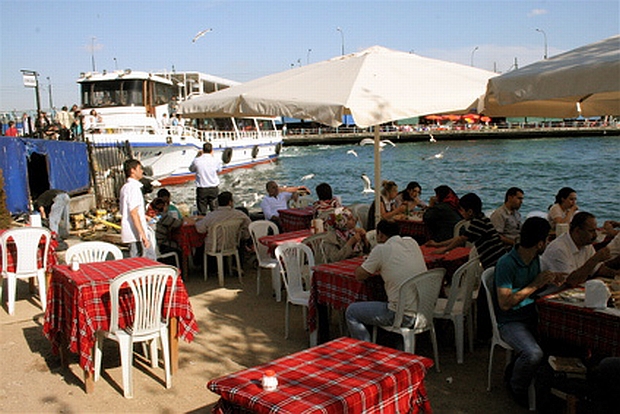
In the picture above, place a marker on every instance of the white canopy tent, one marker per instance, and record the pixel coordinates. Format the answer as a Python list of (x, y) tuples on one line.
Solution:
[(375, 86), (584, 81)]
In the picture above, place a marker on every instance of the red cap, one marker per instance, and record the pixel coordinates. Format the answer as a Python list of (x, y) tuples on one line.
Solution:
[(270, 373)]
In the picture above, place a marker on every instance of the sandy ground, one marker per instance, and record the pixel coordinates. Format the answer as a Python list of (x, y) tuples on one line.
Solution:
[(238, 329)]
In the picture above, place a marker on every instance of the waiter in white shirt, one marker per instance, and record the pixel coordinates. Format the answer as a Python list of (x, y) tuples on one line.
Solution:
[(206, 166)]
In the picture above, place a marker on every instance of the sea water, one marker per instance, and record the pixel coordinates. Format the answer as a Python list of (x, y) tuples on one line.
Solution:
[(486, 167)]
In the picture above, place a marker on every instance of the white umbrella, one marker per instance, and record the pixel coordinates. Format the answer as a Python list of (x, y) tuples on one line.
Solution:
[(375, 86), (584, 81)]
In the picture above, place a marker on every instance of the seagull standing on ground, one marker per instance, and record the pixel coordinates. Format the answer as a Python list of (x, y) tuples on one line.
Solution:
[(200, 34), (367, 185)]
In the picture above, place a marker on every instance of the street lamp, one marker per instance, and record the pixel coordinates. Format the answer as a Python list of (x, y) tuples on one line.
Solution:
[(49, 90), (92, 51), (308, 57), (338, 29), (472, 55), (545, 36)]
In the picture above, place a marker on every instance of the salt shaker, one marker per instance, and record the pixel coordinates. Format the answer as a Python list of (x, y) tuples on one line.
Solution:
[(270, 381), (75, 265)]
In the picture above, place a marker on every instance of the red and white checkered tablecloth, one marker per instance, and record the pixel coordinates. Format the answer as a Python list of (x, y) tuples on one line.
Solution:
[(78, 305), (334, 284), (188, 238), (275, 240), (12, 256), (413, 228), (293, 219), (342, 376), (572, 323)]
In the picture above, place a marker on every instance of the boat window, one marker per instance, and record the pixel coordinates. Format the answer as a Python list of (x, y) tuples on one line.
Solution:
[(266, 125), (213, 124), (112, 93), (163, 93), (244, 124)]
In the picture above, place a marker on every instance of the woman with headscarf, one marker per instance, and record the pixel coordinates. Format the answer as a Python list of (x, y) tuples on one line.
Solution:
[(343, 239), (442, 214)]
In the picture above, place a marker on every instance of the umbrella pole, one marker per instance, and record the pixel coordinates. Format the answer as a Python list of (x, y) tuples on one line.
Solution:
[(377, 174)]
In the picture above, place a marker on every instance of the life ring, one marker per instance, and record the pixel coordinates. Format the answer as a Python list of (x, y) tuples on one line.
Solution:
[(227, 155), (278, 148), (255, 151)]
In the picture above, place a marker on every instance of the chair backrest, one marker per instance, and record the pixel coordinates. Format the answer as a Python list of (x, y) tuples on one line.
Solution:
[(371, 236), (296, 262), (537, 213), (258, 229), (458, 226), (361, 212), (423, 288), (223, 238), (92, 251), (26, 242), (148, 287), (464, 281), (488, 281), (315, 242)]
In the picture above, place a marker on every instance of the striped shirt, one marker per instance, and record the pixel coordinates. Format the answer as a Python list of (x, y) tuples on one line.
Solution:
[(483, 235)]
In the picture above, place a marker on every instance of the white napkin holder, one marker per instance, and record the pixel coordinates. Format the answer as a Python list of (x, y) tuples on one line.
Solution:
[(35, 220), (597, 294)]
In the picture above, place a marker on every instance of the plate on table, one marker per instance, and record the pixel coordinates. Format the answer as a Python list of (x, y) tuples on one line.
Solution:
[(573, 295)]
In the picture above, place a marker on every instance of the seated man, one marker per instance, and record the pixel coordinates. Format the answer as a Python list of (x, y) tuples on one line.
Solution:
[(397, 259), (480, 232), (224, 211), (506, 219), (166, 224), (164, 194), (277, 199), (517, 277), (573, 254)]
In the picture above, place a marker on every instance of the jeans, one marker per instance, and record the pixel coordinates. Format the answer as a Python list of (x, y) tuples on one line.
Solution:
[(519, 335), (360, 314), (59, 212)]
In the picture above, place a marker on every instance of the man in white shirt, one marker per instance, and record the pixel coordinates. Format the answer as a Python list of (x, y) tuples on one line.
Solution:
[(133, 221), (572, 253), (206, 166), (397, 259), (506, 219), (277, 199)]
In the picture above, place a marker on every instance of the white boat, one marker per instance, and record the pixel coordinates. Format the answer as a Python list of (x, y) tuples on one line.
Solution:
[(130, 107)]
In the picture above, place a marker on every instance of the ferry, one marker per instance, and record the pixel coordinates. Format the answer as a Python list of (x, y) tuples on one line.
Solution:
[(135, 109)]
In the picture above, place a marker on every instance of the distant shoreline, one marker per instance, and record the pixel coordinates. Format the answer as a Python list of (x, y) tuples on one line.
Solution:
[(314, 137)]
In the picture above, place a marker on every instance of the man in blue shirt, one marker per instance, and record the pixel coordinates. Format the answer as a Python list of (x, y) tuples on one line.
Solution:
[(517, 277)]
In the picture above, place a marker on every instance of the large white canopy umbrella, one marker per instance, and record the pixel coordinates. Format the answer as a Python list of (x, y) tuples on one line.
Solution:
[(375, 86), (584, 81)]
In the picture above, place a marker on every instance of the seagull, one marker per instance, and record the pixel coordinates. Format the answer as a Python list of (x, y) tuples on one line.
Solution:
[(236, 182), (200, 34), (307, 177), (382, 143), (432, 138), (438, 155), (367, 187), (352, 152)]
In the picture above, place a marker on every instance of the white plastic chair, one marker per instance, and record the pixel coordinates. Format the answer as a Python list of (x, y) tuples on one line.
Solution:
[(457, 306), (26, 241), (258, 229), (361, 212), (158, 255), (92, 251), (295, 262), (315, 242), (488, 281), (225, 237), (424, 288), (148, 287), (458, 226)]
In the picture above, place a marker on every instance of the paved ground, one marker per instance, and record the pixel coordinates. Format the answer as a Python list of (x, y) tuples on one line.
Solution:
[(238, 329)]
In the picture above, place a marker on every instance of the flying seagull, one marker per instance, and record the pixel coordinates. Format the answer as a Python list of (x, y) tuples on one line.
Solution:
[(432, 139), (438, 155), (382, 143), (352, 152), (367, 187), (200, 34), (307, 177)]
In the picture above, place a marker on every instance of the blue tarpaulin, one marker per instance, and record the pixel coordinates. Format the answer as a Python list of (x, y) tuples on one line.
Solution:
[(31, 166)]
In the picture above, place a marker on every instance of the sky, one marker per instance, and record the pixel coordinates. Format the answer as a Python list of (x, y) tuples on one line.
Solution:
[(250, 39)]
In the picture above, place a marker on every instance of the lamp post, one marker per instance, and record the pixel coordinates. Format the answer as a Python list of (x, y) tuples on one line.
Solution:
[(49, 91), (92, 51), (308, 57), (545, 36), (472, 56), (341, 39), (31, 80)]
